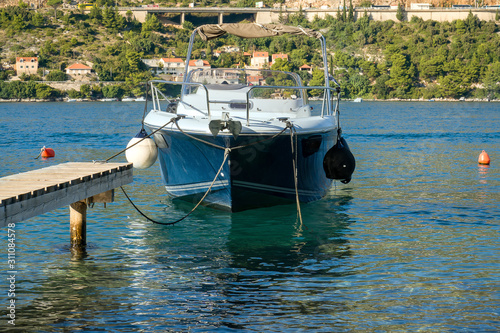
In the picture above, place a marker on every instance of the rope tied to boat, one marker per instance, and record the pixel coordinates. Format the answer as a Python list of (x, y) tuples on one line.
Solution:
[(132, 145), (293, 135), (221, 147), (226, 154), (293, 139)]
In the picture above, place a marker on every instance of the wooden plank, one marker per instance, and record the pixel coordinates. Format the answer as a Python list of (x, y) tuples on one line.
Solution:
[(77, 181)]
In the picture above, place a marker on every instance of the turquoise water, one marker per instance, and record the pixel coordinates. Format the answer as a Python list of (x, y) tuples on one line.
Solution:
[(411, 244)]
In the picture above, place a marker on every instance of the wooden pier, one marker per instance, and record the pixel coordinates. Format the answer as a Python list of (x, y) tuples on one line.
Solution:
[(32, 193)]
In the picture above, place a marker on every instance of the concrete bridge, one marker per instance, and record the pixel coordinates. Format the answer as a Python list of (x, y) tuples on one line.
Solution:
[(272, 15)]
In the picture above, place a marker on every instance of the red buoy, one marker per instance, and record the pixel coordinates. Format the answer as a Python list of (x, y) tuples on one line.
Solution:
[(47, 152), (484, 158)]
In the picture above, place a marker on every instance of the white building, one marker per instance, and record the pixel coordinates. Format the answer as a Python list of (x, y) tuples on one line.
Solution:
[(78, 69)]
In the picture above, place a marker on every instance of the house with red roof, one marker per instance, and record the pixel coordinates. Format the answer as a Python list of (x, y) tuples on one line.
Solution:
[(78, 69), (306, 68), (198, 64), (259, 59), (171, 66), (26, 65), (278, 56)]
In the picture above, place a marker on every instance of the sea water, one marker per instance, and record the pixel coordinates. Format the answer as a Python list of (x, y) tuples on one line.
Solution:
[(410, 244)]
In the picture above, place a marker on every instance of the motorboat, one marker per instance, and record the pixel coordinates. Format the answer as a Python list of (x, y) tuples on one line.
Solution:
[(243, 138)]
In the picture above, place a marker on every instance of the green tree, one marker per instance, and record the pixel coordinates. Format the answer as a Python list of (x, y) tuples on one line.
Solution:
[(460, 27), (151, 24), (72, 93), (44, 91), (281, 65), (344, 14), (454, 84), (380, 89), (492, 80), (401, 13), (350, 17), (18, 23), (111, 19), (433, 67), (56, 75), (85, 90), (318, 80), (401, 74), (358, 85), (23, 5), (134, 60), (54, 4), (37, 20), (112, 91)]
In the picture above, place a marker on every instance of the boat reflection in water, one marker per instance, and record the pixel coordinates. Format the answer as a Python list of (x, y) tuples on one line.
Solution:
[(274, 239)]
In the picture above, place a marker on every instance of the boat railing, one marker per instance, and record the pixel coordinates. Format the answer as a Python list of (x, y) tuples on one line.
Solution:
[(326, 106), (156, 100), (326, 101)]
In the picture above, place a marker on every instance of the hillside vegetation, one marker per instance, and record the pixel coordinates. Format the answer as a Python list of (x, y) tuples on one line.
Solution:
[(371, 59)]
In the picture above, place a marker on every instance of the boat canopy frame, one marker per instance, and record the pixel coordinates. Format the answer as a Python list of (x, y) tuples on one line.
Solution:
[(255, 30)]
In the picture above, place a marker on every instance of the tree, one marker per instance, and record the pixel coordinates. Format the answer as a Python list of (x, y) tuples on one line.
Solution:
[(54, 4), (151, 24), (281, 65), (85, 90), (318, 80), (18, 23), (37, 20), (96, 14), (401, 75), (344, 14), (492, 79), (134, 60), (350, 17), (460, 27), (44, 91), (23, 5), (56, 75), (358, 85), (381, 90), (433, 67), (454, 84), (401, 13), (112, 91)]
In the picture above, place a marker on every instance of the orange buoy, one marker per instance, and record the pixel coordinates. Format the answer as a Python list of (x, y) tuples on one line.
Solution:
[(484, 158), (47, 152)]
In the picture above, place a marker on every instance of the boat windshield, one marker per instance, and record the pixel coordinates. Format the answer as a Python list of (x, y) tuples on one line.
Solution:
[(248, 77), (237, 79)]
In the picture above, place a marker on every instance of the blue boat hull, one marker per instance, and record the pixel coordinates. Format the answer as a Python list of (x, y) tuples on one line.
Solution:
[(259, 175)]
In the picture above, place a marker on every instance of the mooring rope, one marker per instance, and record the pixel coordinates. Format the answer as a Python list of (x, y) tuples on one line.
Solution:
[(226, 154), (144, 138), (295, 167), (221, 147), (227, 150)]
